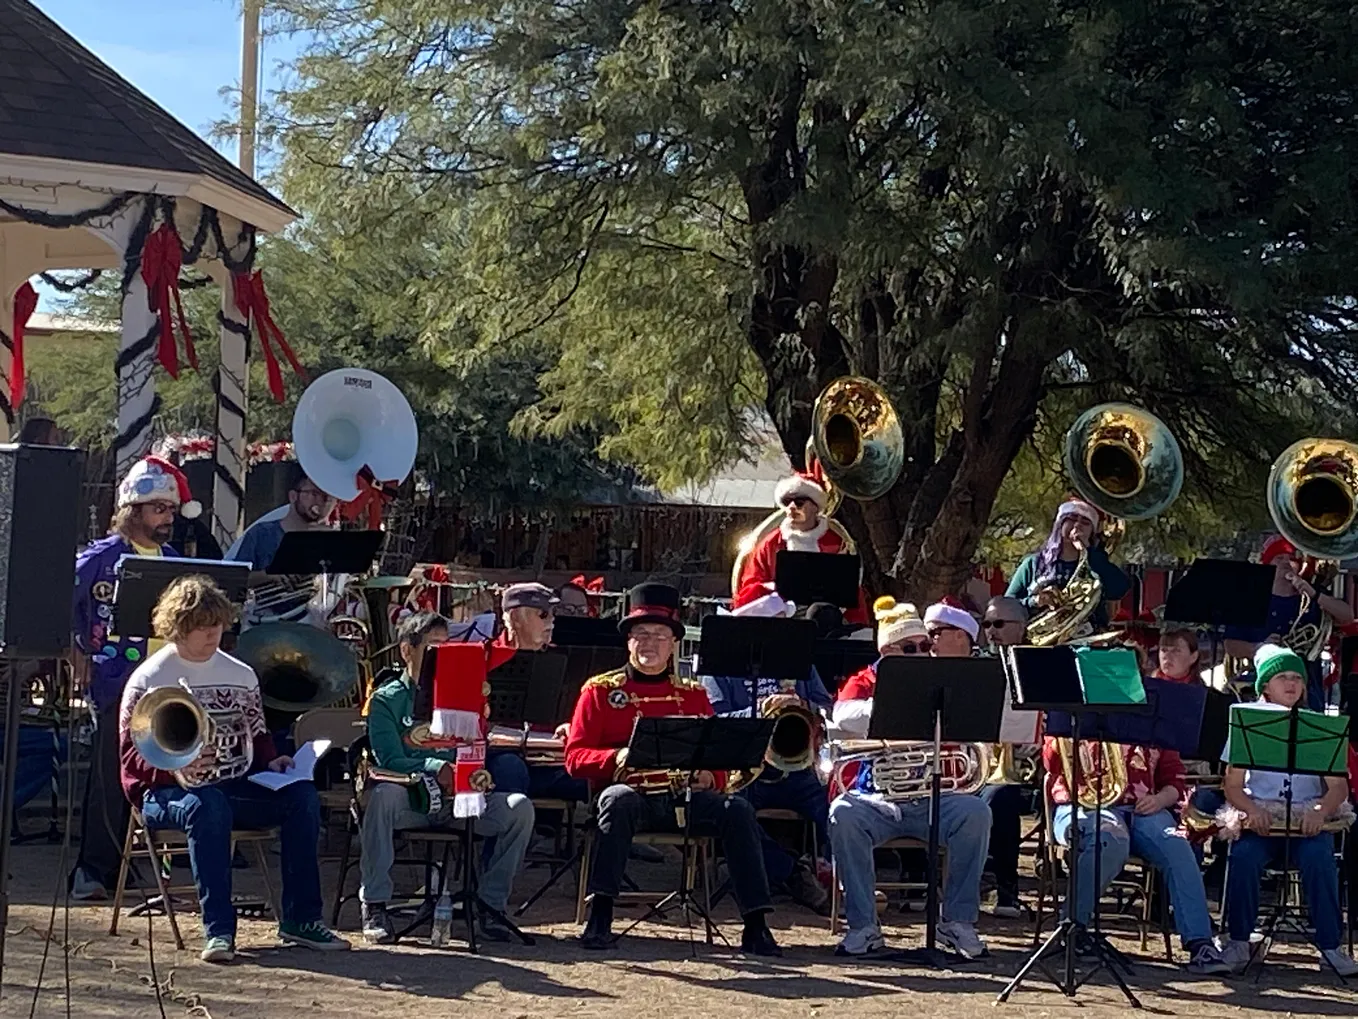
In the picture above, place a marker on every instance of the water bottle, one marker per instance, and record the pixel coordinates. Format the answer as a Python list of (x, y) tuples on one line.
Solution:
[(443, 921)]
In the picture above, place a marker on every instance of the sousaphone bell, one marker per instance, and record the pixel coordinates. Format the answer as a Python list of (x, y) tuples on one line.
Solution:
[(1313, 497), (299, 667)]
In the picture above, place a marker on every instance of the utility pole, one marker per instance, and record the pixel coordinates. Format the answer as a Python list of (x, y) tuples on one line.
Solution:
[(249, 85)]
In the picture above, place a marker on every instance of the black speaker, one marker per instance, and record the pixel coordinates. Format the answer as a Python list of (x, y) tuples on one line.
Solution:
[(39, 525)]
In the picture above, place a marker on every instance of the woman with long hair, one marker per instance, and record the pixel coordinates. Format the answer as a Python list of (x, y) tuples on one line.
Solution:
[(1045, 572)]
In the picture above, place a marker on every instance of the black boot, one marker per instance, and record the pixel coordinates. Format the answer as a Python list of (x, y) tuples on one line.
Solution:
[(757, 939), (599, 930)]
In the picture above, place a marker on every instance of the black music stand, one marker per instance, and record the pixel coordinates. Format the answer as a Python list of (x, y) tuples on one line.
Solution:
[(690, 745), (837, 658), (586, 631), (142, 580), (805, 578), (1294, 742), (928, 700), (753, 648), (1217, 593), (305, 553), (1050, 679)]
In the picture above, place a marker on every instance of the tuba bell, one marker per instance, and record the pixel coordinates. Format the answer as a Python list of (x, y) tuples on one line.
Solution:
[(299, 667), (1126, 463), (169, 728), (856, 435), (1313, 497)]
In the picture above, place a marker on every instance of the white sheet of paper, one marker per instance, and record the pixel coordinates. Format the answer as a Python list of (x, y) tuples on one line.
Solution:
[(303, 767)]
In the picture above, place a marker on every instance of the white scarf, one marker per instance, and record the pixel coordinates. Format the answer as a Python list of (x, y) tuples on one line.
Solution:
[(804, 541)]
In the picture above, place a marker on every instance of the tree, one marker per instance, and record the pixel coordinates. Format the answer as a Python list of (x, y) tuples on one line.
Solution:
[(997, 211)]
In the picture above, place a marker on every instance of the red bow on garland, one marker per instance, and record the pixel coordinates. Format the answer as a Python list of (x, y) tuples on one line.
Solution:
[(372, 496), (25, 301), (160, 264), (592, 588), (253, 301)]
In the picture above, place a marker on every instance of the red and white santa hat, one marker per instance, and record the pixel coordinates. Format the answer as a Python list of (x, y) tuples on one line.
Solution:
[(950, 612), (760, 601), (152, 479), (1078, 508), (803, 485)]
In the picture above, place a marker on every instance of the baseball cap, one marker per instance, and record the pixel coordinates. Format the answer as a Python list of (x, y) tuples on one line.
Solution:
[(528, 596)]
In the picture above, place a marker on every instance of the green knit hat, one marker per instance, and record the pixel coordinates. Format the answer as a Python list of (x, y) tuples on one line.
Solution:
[(1270, 660)]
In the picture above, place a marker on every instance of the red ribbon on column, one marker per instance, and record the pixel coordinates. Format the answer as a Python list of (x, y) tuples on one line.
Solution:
[(372, 496), (161, 261), (25, 300), (252, 300)]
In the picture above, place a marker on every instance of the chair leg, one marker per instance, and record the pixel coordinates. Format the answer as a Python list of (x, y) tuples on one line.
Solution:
[(705, 864), (1045, 876), (834, 897), (165, 898), (123, 866), (263, 859), (343, 874), (1147, 886), (586, 861)]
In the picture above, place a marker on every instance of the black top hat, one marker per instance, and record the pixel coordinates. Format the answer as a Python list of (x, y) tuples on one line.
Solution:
[(653, 603)]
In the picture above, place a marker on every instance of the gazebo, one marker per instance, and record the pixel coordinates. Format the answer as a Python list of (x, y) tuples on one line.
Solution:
[(96, 176)]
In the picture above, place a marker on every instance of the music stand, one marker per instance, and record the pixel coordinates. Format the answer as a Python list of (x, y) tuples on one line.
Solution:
[(837, 658), (928, 700), (805, 578), (305, 553), (1217, 593), (689, 745), (142, 580), (586, 631), (1295, 741), (1048, 679)]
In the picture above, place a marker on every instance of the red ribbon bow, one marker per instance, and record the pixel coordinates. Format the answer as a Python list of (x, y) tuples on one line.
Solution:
[(160, 264), (436, 573), (372, 496), (252, 300), (25, 301)]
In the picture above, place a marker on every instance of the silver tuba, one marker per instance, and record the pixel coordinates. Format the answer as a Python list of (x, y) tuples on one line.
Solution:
[(169, 728), (903, 769)]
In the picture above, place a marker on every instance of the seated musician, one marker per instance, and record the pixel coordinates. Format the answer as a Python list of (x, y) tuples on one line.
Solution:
[(799, 791), (806, 529), (1286, 619), (211, 796), (861, 819), (1042, 574), (596, 750), (392, 807), (1280, 679), (1141, 822)]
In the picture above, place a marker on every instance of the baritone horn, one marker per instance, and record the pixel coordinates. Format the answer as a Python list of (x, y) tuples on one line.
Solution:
[(1313, 497), (169, 727)]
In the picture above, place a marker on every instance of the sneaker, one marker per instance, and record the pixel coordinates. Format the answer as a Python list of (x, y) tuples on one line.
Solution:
[(1205, 960), (312, 935), (85, 887), (861, 942), (218, 949), (804, 888), (1236, 955), (1339, 960), (377, 926), (491, 930), (962, 939), (1009, 906)]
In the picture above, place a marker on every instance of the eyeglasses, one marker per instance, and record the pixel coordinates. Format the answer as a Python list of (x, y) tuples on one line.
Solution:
[(918, 647), (987, 624), (160, 508), (643, 637), (544, 614), (797, 500)]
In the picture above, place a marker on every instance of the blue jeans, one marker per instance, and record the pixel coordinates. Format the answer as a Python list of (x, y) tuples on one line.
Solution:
[(207, 815), (859, 824), (798, 791), (1154, 838), (1313, 857)]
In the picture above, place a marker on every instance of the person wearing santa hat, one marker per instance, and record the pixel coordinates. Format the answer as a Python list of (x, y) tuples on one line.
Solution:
[(147, 500), (798, 791), (596, 749), (1285, 613), (952, 629), (805, 528), (1048, 570)]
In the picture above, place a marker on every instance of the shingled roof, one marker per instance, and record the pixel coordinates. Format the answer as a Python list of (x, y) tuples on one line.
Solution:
[(59, 101)]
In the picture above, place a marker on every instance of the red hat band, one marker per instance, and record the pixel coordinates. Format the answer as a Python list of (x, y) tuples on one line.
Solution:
[(664, 611)]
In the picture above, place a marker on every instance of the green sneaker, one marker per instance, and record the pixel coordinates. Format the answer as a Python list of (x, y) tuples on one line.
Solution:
[(218, 949), (312, 935)]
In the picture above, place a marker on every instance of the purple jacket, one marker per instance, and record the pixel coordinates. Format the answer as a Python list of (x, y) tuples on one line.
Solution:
[(112, 659)]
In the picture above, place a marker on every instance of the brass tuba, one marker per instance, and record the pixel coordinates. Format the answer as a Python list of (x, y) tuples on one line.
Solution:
[(1125, 462), (300, 667), (1095, 790)]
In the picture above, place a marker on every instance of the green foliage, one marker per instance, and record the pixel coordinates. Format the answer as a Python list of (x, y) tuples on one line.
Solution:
[(1001, 212)]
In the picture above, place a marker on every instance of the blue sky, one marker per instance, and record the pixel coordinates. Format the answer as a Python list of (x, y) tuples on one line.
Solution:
[(181, 53)]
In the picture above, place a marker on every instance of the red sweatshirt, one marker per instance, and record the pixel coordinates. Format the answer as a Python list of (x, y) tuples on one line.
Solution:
[(1148, 771)]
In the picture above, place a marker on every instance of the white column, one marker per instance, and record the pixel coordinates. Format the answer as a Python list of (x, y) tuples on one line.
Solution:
[(231, 385), (6, 355), (138, 402)]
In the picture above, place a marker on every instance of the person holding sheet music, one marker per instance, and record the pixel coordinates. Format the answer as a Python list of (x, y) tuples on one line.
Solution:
[(212, 795), (1141, 823), (798, 791), (596, 750), (1280, 680), (148, 499)]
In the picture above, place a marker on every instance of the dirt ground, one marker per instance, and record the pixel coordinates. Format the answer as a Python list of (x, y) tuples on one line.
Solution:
[(652, 972)]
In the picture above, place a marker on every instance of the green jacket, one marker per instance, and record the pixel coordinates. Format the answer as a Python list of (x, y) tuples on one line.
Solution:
[(389, 720)]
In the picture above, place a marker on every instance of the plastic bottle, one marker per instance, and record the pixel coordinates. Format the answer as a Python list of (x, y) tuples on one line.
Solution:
[(443, 921)]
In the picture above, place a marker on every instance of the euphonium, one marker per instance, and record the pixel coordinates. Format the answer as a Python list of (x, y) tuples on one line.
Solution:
[(1102, 790), (1075, 602), (1010, 767), (793, 745), (903, 769), (169, 728)]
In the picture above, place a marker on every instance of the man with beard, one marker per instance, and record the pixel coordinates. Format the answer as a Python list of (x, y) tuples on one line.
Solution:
[(307, 509), (147, 501)]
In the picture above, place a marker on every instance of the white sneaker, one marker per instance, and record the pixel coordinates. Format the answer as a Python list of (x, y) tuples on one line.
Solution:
[(86, 888), (218, 949), (1235, 954), (862, 942), (962, 939), (1340, 961)]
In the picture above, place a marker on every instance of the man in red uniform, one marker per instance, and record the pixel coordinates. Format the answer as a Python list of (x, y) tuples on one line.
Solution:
[(596, 750)]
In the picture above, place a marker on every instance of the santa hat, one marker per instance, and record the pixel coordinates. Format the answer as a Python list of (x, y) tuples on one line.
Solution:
[(803, 485), (950, 612), (1275, 548), (896, 622), (1078, 508), (763, 604), (152, 479)]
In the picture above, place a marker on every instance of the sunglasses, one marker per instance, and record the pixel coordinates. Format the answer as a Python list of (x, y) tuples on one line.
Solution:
[(797, 500), (917, 647), (987, 624)]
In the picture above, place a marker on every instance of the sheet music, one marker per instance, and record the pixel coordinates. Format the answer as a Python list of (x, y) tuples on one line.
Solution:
[(303, 767)]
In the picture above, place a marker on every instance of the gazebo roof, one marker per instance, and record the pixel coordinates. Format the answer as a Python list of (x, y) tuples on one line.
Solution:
[(61, 107)]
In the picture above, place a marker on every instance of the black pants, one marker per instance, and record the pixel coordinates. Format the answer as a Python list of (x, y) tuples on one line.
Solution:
[(104, 810), (1006, 832), (623, 812)]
